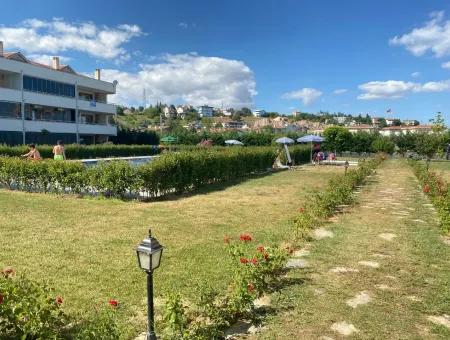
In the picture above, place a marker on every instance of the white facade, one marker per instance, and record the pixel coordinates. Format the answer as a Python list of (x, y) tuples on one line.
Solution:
[(205, 111), (37, 98), (259, 113)]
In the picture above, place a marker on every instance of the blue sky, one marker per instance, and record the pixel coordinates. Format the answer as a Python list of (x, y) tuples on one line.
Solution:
[(274, 55)]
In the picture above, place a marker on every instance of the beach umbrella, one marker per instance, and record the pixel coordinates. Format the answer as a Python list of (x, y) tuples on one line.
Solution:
[(285, 141), (233, 142), (310, 139)]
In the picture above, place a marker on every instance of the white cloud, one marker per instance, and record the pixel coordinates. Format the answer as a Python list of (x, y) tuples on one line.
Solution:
[(446, 65), (307, 95), (55, 36), (187, 78), (393, 89), (415, 74), (340, 91), (47, 59), (183, 25), (433, 36)]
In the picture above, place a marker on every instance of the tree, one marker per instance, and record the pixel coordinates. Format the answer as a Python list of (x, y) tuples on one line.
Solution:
[(427, 145), (140, 108), (119, 110), (405, 142), (337, 138), (246, 111), (382, 123), (396, 122), (236, 116), (383, 144), (362, 141)]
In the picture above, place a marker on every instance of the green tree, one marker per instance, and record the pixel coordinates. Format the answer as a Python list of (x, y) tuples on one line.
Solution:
[(405, 142), (427, 145), (383, 144), (362, 141), (382, 123), (246, 111), (337, 138)]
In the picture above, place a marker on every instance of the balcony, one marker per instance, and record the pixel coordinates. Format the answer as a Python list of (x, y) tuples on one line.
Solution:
[(10, 95), (49, 100), (97, 129), (96, 106)]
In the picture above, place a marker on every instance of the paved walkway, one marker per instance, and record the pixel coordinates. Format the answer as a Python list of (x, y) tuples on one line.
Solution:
[(382, 273)]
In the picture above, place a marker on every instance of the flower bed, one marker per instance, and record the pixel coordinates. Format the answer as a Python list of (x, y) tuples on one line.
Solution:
[(435, 187)]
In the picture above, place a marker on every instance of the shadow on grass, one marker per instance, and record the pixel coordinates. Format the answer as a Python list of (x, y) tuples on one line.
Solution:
[(206, 189)]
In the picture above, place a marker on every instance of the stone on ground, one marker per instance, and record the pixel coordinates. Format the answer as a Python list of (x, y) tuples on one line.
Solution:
[(263, 301), (361, 298), (340, 270), (344, 328), (301, 253), (322, 233), (371, 264), (297, 263), (443, 320), (387, 236)]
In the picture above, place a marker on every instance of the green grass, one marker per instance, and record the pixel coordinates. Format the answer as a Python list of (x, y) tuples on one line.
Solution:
[(85, 248), (417, 266)]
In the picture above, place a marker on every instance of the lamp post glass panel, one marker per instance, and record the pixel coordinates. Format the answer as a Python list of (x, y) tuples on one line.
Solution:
[(149, 254)]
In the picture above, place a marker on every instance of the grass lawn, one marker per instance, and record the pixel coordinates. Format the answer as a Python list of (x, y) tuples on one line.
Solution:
[(399, 289), (85, 248)]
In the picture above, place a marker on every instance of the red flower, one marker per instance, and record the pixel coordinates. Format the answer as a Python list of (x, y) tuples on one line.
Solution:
[(250, 287), (260, 249), (254, 261), (426, 189), (245, 237), (113, 303), (244, 260), (59, 300), (301, 210), (1, 298), (226, 239)]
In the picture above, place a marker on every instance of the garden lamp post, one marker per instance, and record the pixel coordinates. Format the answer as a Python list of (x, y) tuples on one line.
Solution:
[(149, 254)]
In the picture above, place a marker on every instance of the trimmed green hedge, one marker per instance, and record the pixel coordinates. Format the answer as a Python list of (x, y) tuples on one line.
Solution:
[(169, 173), (74, 151)]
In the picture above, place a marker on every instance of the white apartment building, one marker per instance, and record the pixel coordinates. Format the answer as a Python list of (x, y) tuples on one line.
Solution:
[(259, 113), (205, 111), (41, 104)]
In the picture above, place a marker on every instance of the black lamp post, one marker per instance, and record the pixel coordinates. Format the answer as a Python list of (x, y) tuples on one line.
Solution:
[(149, 254)]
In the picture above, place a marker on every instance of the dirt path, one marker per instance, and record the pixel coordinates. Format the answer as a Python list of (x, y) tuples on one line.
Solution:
[(385, 273)]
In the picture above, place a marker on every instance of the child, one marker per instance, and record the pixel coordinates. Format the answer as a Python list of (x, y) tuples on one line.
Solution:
[(59, 152), (33, 154)]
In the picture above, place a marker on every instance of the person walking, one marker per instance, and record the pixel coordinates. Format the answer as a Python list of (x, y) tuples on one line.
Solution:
[(33, 154), (59, 154)]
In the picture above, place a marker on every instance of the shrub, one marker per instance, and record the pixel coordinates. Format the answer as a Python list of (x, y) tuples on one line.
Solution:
[(437, 190), (74, 151)]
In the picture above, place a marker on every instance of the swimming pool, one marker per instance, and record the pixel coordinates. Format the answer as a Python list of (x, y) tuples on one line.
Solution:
[(138, 160)]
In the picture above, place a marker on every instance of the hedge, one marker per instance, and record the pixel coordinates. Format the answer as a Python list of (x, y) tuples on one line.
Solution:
[(169, 173), (74, 151), (437, 190)]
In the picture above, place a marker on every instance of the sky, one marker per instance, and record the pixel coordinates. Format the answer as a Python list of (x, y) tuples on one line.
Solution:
[(347, 56)]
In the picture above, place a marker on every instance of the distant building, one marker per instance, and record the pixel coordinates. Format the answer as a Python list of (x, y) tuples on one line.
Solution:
[(296, 113), (170, 111), (259, 113), (234, 125), (410, 122), (399, 130), (205, 111), (228, 112), (340, 119), (391, 121), (362, 128)]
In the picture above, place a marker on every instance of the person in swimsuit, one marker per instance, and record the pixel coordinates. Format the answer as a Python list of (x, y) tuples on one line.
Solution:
[(59, 153), (33, 154)]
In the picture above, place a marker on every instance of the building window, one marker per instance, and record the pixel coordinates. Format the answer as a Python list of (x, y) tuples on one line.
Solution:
[(10, 110), (56, 114), (48, 86)]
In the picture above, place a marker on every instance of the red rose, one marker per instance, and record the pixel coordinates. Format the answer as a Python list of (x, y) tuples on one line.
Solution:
[(59, 300), (245, 237), (426, 189), (254, 261), (226, 239), (260, 249), (243, 260), (1, 298), (113, 303), (251, 287)]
